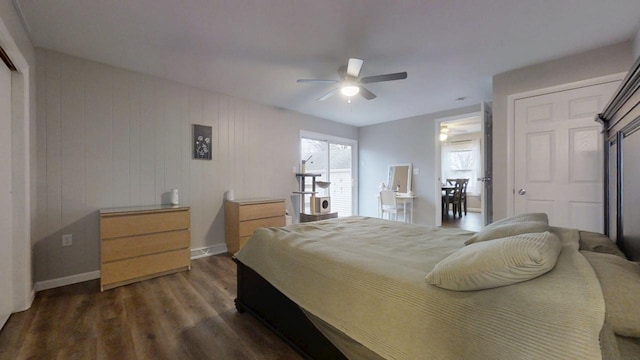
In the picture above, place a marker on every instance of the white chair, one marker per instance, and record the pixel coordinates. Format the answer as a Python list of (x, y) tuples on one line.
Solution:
[(389, 205)]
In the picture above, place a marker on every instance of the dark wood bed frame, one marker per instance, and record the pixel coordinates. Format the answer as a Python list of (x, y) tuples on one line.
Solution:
[(621, 126), (259, 298)]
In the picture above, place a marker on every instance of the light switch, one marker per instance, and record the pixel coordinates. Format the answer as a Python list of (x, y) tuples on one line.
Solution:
[(416, 171)]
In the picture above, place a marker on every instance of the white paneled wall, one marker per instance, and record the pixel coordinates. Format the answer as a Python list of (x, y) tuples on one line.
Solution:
[(108, 138)]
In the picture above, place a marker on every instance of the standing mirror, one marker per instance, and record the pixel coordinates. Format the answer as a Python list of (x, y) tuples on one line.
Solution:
[(400, 177)]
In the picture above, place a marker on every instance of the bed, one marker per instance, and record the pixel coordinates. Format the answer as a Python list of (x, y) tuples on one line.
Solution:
[(364, 288)]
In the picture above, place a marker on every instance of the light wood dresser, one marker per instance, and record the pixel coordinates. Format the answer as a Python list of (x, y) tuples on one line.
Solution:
[(243, 217), (139, 243)]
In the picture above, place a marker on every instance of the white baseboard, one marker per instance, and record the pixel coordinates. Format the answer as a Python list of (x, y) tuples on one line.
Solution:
[(67, 280), (78, 278), (208, 251), (474, 210)]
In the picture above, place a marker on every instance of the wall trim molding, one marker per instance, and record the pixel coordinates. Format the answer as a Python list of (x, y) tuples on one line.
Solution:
[(202, 252), (67, 280)]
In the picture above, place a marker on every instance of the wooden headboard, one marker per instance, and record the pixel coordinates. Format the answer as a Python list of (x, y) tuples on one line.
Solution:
[(621, 124)]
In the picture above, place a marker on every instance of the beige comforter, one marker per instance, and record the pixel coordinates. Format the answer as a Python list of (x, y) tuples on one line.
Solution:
[(365, 277)]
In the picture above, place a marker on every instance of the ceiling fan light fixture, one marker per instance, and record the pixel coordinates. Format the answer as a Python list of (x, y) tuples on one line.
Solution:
[(350, 90)]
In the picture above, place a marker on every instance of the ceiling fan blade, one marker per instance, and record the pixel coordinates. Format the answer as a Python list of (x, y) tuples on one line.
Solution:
[(354, 66), (317, 81), (328, 95), (366, 93), (385, 77)]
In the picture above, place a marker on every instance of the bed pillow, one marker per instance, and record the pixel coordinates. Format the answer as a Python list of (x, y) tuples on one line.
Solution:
[(620, 283), (514, 225), (591, 241), (496, 263)]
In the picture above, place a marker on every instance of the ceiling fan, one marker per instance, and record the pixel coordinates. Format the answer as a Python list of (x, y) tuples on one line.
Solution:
[(350, 84)]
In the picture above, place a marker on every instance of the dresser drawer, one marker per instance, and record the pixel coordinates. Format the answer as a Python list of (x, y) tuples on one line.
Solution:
[(248, 227), (243, 240), (123, 271), (114, 226), (259, 211), (133, 246)]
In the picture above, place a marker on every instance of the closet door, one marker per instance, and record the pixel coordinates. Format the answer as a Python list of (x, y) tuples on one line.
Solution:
[(6, 231), (559, 155)]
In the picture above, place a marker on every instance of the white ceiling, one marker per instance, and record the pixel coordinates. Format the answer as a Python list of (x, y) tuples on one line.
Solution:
[(256, 49)]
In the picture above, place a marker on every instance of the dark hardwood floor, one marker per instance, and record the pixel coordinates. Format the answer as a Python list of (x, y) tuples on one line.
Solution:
[(472, 221), (189, 315)]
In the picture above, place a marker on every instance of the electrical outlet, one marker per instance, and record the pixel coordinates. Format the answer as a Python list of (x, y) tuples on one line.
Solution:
[(67, 239)]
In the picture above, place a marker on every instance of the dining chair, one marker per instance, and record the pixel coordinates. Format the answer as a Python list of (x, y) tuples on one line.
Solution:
[(445, 204), (458, 197), (455, 197), (463, 194), (389, 205), (447, 196)]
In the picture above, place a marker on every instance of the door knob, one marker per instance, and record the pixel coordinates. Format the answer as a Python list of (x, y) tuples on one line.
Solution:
[(522, 191)]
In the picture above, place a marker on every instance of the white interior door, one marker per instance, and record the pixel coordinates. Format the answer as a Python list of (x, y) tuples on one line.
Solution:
[(6, 230), (559, 156)]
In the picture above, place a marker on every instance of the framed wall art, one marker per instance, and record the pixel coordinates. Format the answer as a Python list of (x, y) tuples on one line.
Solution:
[(202, 142)]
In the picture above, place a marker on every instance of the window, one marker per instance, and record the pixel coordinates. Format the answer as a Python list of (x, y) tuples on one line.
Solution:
[(334, 159), (461, 160)]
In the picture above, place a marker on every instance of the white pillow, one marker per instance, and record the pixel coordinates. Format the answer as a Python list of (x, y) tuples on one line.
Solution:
[(514, 225), (496, 263)]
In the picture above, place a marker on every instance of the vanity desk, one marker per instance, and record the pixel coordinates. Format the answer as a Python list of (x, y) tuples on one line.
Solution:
[(399, 179), (406, 201)]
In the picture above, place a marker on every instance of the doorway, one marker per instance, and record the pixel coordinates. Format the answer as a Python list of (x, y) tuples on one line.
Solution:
[(463, 146), (6, 200), (15, 251), (335, 159)]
